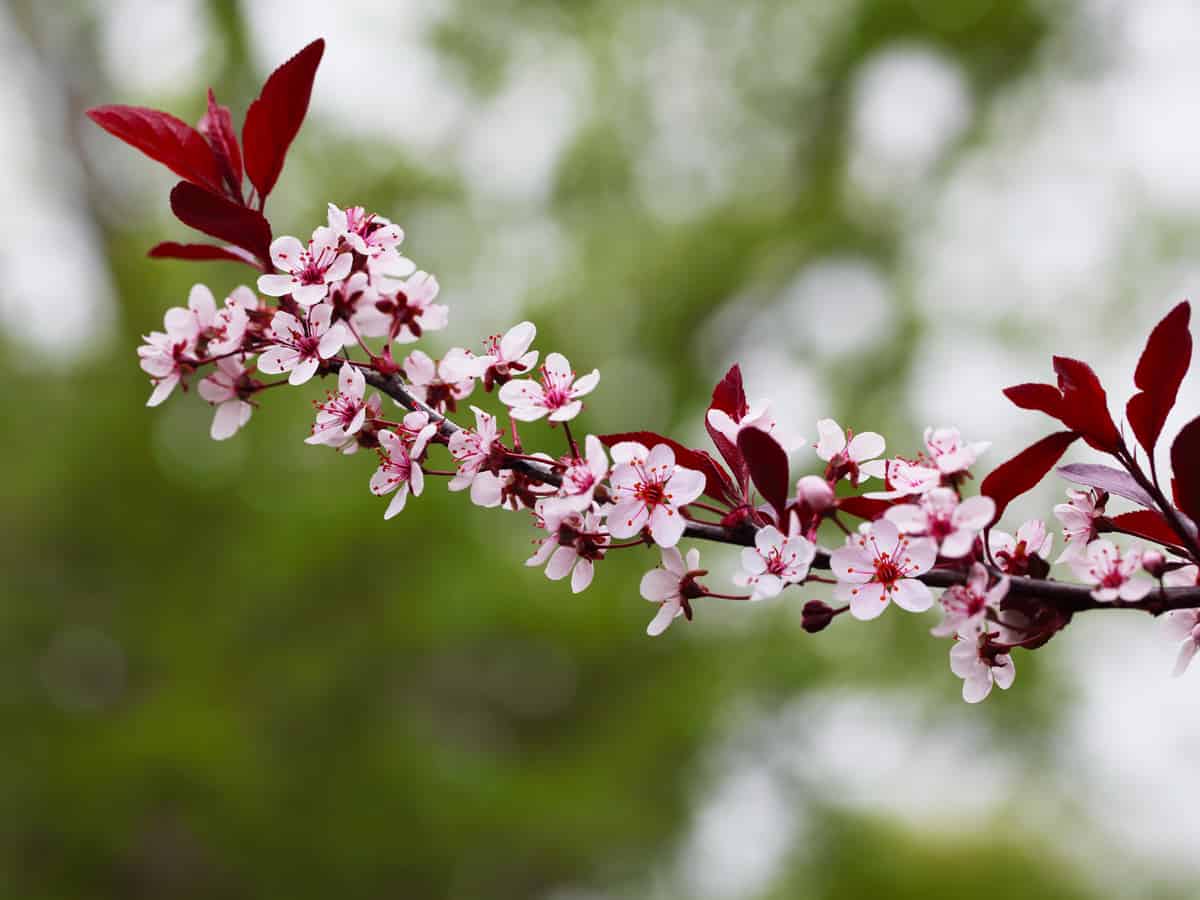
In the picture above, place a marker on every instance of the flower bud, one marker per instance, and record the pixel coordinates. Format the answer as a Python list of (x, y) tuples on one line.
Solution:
[(1154, 562), (816, 616), (815, 492)]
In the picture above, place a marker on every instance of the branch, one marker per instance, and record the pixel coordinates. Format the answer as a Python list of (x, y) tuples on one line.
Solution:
[(1064, 596)]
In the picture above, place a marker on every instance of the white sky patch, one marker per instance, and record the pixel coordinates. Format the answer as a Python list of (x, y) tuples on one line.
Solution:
[(838, 305), (152, 48)]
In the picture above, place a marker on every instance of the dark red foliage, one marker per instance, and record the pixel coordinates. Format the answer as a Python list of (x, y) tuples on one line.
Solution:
[(1185, 466), (173, 250), (729, 396), (1145, 523), (1159, 373), (1085, 405), (273, 120), (217, 126), (222, 219), (865, 507), (768, 465), (1040, 397), (1021, 473), (717, 482), (165, 139)]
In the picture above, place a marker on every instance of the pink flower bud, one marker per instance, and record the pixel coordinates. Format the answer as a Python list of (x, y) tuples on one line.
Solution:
[(815, 492), (1154, 562)]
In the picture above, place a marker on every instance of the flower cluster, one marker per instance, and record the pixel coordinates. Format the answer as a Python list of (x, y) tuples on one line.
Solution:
[(889, 529)]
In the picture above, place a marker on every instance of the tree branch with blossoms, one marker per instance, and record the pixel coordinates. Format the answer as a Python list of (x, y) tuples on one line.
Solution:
[(343, 302)]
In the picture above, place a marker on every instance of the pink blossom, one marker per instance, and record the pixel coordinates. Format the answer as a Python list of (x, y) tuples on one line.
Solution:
[(300, 347), (509, 488), (352, 299), (774, 562), (949, 452), (474, 448), (220, 331), (1184, 576), (507, 355), (903, 478), (980, 668), (1111, 571), (224, 388), (815, 492), (965, 606), (365, 232), (878, 565), (757, 416), (342, 415), (404, 311), (310, 270), (940, 515), (557, 395), (573, 545), (648, 489), (583, 475), (399, 470), (672, 587), (167, 355), (847, 452), (1078, 517), (1013, 555), (438, 383), (1183, 625)]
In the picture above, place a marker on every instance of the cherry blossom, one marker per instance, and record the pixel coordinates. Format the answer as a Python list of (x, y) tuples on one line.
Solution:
[(438, 384), (510, 488), (399, 470), (352, 299), (341, 416), (1184, 576), (473, 448), (556, 396), (404, 311), (582, 475), (757, 416), (1111, 571), (948, 451), (1013, 554), (972, 660), (672, 586), (166, 355), (300, 347), (365, 232), (1183, 625), (224, 389), (878, 565), (774, 562), (815, 492), (574, 543), (965, 606), (220, 331), (846, 452), (310, 270), (648, 489), (940, 515), (1078, 517), (903, 477), (507, 355)]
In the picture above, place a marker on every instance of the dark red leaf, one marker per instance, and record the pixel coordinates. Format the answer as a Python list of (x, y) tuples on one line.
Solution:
[(768, 464), (217, 127), (223, 219), (1041, 397), (1085, 404), (173, 250), (717, 483), (1146, 523), (1019, 474), (729, 396), (867, 508), (1159, 373), (1185, 466), (273, 120), (165, 139)]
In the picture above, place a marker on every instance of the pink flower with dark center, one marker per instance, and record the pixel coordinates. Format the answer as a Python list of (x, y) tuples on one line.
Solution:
[(672, 587), (583, 475), (903, 477), (404, 311), (310, 270), (220, 331), (980, 667), (1078, 517), (226, 389), (940, 515), (399, 470), (475, 448), (557, 396), (1183, 625), (648, 489), (507, 355), (436, 383), (774, 562), (965, 606), (949, 452), (845, 452), (341, 416), (300, 346), (1014, 554), (511, 489), (878, 565), (757, 416), (167, 355), (351, 297), (365, 232), (573, 545), (1111, 571)]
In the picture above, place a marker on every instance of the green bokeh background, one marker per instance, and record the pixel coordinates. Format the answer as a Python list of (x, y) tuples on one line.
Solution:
[(223, 675)]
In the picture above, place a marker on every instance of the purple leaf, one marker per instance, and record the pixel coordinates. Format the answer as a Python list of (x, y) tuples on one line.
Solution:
[(1106, 478)]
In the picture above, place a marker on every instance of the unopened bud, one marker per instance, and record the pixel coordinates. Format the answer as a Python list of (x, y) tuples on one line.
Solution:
[(816, 616), (1154, 562), (815, 492)]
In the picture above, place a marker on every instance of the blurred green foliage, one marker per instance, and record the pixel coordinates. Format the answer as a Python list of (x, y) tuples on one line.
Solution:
[(226, 676)]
